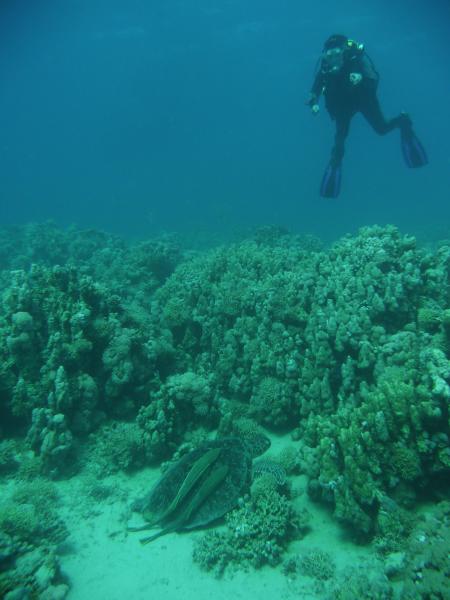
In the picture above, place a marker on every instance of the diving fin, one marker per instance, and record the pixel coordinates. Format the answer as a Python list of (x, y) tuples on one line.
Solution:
[(412, 149), (331, 181)]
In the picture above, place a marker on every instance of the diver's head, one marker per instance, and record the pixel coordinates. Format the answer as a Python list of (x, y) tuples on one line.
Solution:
[(337, 40), (333, 53)]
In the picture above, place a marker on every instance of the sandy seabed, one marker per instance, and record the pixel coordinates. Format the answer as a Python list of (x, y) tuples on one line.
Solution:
[(105, 562)]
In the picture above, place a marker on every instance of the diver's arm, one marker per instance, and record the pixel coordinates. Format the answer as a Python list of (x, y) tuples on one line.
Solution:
[(318, 84), (316, 90), (369, 74)]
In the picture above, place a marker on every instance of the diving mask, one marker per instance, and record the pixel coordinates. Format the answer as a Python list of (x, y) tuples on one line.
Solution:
[(332, 60)]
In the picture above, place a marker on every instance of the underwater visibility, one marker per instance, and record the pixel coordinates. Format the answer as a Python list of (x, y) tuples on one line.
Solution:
[(224, 300)]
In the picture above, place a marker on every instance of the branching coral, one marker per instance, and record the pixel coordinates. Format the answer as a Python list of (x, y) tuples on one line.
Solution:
[(257, 533)]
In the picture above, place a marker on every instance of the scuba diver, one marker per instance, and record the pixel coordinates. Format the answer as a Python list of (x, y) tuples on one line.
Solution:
[(347, 78)]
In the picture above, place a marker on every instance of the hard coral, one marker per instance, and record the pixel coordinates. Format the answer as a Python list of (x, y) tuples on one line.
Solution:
[(257, 534)]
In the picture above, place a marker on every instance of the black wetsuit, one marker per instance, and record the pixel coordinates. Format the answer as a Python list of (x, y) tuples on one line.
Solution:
[(343, 99)]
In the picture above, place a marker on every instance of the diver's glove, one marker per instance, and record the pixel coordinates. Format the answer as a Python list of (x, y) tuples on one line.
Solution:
[(355, 78), (312, 102)]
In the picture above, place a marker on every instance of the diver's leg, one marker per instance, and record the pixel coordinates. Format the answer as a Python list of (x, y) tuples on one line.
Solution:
[(413, 151), (331, 180), (371, 110), (342, 129)]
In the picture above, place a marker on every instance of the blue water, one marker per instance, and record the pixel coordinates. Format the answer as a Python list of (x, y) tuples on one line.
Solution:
[(142, 116)]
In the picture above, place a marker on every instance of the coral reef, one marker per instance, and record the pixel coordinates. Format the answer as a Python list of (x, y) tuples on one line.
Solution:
[(116, 446), (315, 563), (71, 355), (127, 269), (365, 582), (389, 445), (129, 353), (9, 461), (427, 566), (182, 400), (30, 530), (256, 534), (335, 345)]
